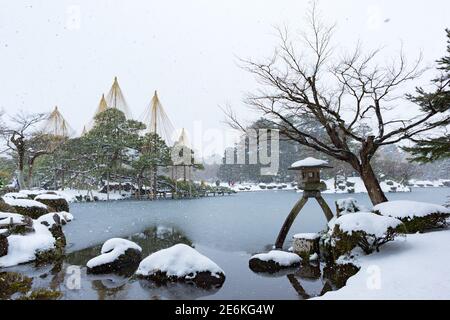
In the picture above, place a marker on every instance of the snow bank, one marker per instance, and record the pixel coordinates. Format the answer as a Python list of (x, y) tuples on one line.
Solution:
[(111, 251), (368, 222), (404, 209), (24, 203), (23, 248), (179, 261), (283, 258), (309, 162), (415, 268)]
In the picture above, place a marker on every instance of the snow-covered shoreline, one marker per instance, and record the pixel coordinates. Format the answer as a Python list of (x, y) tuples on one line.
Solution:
[(412, 267)]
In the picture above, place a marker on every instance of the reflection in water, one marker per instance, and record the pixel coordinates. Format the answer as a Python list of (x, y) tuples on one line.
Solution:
[(325, 278), (175, 290), (108, 286), (151, 240), (308, 280)]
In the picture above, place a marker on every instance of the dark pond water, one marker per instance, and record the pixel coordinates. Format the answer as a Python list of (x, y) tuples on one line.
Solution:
[(227, 229)]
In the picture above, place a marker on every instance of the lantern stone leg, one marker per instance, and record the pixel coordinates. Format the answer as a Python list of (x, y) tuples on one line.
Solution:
[(289, 221), (326, 209)]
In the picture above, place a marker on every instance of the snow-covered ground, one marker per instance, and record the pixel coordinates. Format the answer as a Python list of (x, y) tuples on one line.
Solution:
[(415, 267), (69, 194), (430, 183), (355, 185)]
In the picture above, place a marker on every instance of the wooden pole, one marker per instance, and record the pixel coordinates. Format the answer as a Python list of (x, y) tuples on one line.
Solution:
[(289, 221), (326, 209)]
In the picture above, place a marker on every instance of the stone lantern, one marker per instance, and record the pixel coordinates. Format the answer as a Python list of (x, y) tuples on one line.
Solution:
[(308, 174), (309, 181)]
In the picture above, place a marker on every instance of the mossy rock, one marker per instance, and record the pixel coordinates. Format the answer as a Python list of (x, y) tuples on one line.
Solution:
[(32, 195), (12, 283), (202, 279), (32, 212), (423, 224), (55, 205), (48, 256), (57, 252), (21, 229), (4, 207), (3, 245), (59, 236), (41, 294), (125, 264)]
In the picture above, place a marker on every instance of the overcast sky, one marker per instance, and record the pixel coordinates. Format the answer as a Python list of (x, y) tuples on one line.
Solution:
[(67, 53)]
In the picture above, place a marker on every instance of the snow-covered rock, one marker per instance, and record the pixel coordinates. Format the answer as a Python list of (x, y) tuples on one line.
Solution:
[(7, 218), (57, 202), (306, 236), (26, 207), (52, 218), (181, 263), (117, 255), (306, 244), (274, 261), (28, 247), (16, 195)]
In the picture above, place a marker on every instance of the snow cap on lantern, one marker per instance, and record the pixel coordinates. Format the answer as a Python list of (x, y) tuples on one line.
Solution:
[(309, 173)]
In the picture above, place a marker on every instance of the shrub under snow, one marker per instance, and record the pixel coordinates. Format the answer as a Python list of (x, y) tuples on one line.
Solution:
[(366, 230), (417, 216), (349, 205)]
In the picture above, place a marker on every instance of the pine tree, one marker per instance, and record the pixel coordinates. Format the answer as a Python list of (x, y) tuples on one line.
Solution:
[(428, 150)]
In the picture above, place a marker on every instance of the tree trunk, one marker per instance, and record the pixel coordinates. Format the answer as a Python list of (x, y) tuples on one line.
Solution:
[(371, 183), (21, 166), (107, 186)]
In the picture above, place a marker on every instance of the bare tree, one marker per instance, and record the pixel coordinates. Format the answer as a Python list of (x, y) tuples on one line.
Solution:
[(18, 136), (343, 95)]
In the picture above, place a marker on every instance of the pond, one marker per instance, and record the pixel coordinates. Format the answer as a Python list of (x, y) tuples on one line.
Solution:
[(228, 230)]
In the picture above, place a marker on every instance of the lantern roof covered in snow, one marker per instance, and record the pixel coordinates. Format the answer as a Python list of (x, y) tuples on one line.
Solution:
[(310, 163)]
